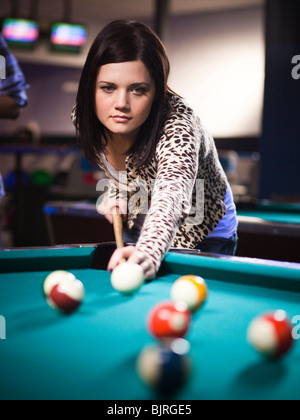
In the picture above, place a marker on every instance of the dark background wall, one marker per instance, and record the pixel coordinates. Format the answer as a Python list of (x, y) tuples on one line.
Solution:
[(51, 98), (280, 142)]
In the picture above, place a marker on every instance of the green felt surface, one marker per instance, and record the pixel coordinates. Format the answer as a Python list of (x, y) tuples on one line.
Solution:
[(272, 216), (92, 354)]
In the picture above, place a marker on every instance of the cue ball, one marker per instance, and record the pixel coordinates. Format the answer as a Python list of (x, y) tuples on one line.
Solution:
[(127, 278), (169, 320), (66, 296), (271, 334), (56, 277), (164, 368), (190, 289)]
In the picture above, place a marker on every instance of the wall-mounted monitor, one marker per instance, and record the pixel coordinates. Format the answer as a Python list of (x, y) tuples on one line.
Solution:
[(67, 37), (21, 33)]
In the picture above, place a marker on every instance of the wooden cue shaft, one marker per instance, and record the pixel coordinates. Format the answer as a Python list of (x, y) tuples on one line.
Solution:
[(118, 230)]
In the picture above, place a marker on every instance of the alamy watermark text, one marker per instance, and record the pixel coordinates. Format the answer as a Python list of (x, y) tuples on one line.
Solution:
[(2, 67), (296, 68)]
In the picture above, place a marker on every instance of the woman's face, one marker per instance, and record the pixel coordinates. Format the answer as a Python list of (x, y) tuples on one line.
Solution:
[(124, 96)]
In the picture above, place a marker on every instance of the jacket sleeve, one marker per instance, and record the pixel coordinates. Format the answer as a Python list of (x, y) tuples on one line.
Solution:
[(177, 159), (13, 83)]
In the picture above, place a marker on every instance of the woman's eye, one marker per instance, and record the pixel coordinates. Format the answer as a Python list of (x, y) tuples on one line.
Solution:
[(139, 91), (107, 89)]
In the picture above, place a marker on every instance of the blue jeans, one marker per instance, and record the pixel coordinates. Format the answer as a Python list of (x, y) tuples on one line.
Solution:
[(210, 245), (219, 245), (130, 236)]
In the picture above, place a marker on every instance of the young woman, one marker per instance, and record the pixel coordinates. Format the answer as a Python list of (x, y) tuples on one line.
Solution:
[(164, 173)]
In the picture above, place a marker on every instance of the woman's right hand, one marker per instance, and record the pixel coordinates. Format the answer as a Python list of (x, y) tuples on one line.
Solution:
[(132, 255)]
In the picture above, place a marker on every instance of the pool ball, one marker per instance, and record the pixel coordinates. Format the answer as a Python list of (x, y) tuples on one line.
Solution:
[(56, 277), (169, 320), (127, 278), (66, 296), (190, 289), (271, 334), (164, 369)]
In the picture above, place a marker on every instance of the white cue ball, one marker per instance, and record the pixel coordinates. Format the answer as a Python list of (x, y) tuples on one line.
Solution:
[(127, 278)]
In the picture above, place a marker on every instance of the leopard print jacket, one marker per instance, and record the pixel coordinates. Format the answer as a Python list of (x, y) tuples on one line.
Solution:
[(181, 191)]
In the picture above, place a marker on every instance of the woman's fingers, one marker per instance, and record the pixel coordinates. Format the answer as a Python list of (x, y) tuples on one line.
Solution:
[(132, 255)]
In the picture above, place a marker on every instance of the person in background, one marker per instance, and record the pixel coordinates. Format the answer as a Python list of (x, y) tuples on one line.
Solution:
[(13, 91)]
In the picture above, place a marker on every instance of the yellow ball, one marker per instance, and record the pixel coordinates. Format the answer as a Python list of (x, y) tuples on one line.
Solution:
[(190, 289)]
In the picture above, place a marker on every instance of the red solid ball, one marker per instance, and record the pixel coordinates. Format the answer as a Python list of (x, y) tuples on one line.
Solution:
[(169, 320)]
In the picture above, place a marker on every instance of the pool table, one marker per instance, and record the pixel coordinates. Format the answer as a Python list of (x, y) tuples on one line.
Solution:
[(267, 230), (270, 230), (92, 354)]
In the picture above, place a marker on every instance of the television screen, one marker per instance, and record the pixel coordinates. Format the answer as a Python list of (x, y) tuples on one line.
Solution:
[(20, 32), (68, 37)]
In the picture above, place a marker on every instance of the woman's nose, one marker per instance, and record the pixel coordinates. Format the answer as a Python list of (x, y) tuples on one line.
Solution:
[(122, 101)]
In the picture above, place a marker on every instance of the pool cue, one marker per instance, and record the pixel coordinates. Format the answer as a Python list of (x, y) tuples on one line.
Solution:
[(118, 230)]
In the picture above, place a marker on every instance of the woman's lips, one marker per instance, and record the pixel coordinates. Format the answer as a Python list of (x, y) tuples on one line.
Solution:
[(120, 118)]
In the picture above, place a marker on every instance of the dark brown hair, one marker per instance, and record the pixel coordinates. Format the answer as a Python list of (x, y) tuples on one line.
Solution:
[(118, 42)]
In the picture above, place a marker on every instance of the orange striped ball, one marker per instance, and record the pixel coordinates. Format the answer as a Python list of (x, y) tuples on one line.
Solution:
[(190, 289)]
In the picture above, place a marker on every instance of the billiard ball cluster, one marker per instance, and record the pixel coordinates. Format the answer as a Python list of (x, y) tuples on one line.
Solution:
[(63, 291), (166, 366)]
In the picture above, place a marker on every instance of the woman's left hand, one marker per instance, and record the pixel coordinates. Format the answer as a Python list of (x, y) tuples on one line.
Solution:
[(132, 255)]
